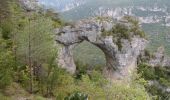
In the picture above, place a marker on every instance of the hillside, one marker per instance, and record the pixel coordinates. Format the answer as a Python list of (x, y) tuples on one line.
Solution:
[(152, 14), (102, 55)]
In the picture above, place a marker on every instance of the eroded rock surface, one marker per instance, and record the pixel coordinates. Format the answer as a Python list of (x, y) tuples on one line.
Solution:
[(119, 63), (160, 58), (30, 5)]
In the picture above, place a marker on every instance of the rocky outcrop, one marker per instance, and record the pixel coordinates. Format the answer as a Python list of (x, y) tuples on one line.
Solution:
[(160, 58), (119, 63), (161, 87), (30, 5)]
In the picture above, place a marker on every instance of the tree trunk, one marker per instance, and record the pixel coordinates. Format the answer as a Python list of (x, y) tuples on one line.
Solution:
[(30, 63)]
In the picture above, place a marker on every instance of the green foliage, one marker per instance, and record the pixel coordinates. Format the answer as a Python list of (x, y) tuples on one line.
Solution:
[(6, 62), (119, 44), (157, 93), (33, 47), (154, 73), (124, 31), (99, 88), (49, 82), (6, 66), (159, 74), (97, 78), (135, 28), (37, 33), (6, 27), (23, 76), (39, 98), (77, 96), (147, 72), (163, 75), (164, 82), (81, 69), (120, 30), (120, 91), (68, 86), (147, 56), (28, 42)]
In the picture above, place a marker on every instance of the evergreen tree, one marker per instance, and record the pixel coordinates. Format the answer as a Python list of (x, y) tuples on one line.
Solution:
[(35, 43)]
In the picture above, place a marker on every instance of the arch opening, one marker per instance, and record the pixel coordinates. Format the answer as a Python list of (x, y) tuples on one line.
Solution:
[(89, 55)]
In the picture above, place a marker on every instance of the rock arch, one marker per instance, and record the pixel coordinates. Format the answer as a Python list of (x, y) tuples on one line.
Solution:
[(118, 63), (89, 55)]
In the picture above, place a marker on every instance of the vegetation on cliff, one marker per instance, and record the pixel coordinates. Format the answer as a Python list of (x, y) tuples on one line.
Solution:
[(28, 63), (159, 80), (125, 31)]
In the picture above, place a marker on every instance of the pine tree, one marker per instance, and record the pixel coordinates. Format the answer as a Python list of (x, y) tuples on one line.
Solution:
[(35, 44)]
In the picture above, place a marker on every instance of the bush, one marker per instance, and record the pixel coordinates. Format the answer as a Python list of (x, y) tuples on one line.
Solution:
[(107, 91), (77, 96), (6, 66), (122, 31), (81, 69), (121, 91), (159, 74), (146, 71), (6, 28)]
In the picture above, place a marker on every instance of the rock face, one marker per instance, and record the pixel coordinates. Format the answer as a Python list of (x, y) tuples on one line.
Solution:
[(119, 63), (30, 5), (160, 59), (159, 86)]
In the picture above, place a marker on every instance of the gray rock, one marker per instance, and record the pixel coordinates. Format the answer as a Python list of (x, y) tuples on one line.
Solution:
[(160, 58), (159, 86), (30, 5), (119, 64)]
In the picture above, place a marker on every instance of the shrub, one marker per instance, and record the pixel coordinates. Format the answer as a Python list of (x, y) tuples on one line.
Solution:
[(77, 96), (146, 71), (159, 74), (81, 69), (6, 66), (123, 31), (121, 91), (39, 98)]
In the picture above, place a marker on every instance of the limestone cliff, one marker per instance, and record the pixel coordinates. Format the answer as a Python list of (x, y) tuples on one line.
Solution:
[(30, 5), (119, 63)]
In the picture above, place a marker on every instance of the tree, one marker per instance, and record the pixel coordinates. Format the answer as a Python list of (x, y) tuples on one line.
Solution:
[(34, 47), (35, 43)]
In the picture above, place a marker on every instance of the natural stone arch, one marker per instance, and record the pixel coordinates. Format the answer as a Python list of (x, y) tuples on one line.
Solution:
[(118, 63)]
